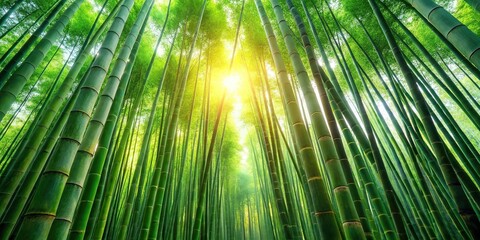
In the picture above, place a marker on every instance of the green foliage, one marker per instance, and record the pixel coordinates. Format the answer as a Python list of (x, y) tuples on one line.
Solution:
[(83, 21), (468, 16), (259, 183)]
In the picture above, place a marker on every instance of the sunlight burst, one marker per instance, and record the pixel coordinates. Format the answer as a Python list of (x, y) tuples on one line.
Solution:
[(232, 83)]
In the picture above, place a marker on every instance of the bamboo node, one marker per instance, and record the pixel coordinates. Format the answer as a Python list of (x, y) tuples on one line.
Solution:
[(314, 178), (323, 212), (305, 148), (352, 223), (341, 188)]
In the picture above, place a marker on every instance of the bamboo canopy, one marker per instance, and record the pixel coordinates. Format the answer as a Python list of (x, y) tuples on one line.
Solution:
[(262, 119)]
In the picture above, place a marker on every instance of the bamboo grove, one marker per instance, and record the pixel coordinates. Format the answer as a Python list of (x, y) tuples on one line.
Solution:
[(245, 119)]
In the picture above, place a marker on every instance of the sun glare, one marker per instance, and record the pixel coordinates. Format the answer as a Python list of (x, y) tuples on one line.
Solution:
[(232, 83)]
